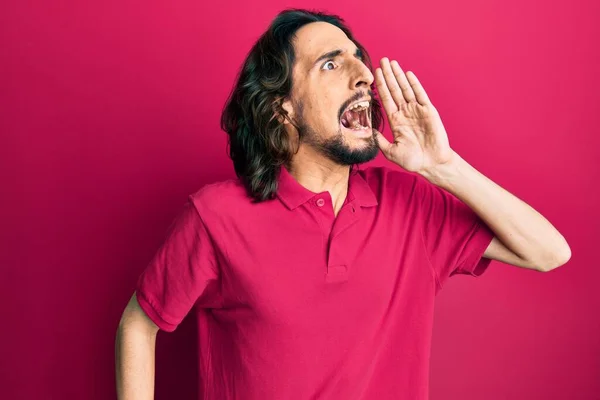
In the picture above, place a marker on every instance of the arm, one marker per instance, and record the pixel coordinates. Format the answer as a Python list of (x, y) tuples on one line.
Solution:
[(173, 282), (134, 354), (523, 236)]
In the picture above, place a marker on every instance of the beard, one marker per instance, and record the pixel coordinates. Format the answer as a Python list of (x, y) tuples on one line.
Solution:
[(337, 148)]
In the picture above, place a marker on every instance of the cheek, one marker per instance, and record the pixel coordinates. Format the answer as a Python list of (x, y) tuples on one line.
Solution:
[(329, 113), (322, 113), (324, 116)]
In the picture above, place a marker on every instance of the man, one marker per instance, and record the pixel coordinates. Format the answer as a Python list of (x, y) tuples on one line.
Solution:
[(313, 277)]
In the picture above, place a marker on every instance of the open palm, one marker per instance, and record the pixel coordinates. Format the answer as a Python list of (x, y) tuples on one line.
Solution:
[(420, 139)]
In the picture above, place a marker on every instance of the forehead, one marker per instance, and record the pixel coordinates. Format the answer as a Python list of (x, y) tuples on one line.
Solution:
[(317, 38)]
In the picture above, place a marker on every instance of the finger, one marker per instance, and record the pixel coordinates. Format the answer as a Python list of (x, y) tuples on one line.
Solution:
[(417, 88), (384, 94), (407, 91), (392, 82), (384, 144)]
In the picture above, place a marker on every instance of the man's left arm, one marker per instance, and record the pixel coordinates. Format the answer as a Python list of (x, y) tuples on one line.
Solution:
[(523, 237)]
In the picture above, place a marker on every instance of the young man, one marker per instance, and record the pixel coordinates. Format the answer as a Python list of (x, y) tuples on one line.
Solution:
[(312, 276)]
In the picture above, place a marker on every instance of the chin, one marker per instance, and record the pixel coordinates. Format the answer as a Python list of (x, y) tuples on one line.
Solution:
[(345, 150)]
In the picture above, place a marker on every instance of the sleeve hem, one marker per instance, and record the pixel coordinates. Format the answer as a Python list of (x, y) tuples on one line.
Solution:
[(475, 264), (152, 312)]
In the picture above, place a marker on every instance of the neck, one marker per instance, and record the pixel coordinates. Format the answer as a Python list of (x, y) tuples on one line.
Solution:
[(319, 175)]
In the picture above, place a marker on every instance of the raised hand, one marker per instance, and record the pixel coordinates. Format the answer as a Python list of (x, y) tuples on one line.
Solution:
[(420, 140)]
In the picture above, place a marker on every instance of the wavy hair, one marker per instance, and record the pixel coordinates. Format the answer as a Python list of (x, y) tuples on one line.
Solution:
[(257, 140)]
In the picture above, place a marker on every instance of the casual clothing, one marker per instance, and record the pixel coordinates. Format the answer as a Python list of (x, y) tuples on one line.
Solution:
[(296, 303)]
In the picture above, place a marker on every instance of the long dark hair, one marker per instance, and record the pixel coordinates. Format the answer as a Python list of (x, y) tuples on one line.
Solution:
[(258, 143)]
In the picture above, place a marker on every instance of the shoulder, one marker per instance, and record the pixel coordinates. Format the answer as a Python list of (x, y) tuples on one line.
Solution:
[(217, 197)]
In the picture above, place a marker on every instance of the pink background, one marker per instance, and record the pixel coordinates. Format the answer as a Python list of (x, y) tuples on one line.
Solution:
[(109, 115)]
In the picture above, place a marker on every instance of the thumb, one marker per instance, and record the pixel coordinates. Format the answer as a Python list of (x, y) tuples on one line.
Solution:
[(384, 144)]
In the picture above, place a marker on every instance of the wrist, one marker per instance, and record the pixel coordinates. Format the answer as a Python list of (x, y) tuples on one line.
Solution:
[(444, 173)]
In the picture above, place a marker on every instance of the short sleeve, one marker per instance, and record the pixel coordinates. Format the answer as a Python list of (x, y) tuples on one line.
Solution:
[(455, 237), (182, 272)]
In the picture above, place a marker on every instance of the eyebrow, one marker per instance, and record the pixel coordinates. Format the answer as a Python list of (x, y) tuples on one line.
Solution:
[(334, 53)]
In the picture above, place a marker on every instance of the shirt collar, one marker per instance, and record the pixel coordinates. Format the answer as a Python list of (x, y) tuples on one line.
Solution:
[(293, 194)]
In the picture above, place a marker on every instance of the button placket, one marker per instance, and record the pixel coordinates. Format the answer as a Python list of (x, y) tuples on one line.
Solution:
[(342, 248)]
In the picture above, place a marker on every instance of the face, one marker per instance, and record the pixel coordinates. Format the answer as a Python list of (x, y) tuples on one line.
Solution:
[(331, 96)]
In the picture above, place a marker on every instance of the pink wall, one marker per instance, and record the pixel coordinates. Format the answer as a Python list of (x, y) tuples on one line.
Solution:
[(109, 117)]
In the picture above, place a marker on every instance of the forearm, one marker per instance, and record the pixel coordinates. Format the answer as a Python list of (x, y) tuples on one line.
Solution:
[(135, 363), (516, 224)]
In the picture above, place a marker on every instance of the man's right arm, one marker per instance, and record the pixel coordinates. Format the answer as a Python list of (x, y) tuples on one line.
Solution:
[(135, 354)]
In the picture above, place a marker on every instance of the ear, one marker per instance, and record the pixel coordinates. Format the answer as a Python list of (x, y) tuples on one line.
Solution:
[(283, 110)]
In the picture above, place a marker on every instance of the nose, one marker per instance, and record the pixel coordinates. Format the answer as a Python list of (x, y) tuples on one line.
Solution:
[(362, 76)]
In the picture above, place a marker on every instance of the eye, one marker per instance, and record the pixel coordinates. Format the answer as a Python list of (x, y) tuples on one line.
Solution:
[(328, 63)]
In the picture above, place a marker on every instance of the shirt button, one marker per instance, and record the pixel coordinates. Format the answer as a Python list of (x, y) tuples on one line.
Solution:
[(320, 202)]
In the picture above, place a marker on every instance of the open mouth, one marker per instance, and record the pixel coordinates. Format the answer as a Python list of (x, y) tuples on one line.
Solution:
[(357, 117)]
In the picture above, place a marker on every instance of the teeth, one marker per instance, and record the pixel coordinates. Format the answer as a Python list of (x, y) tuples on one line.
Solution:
[(357, 125), (362, 104)]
